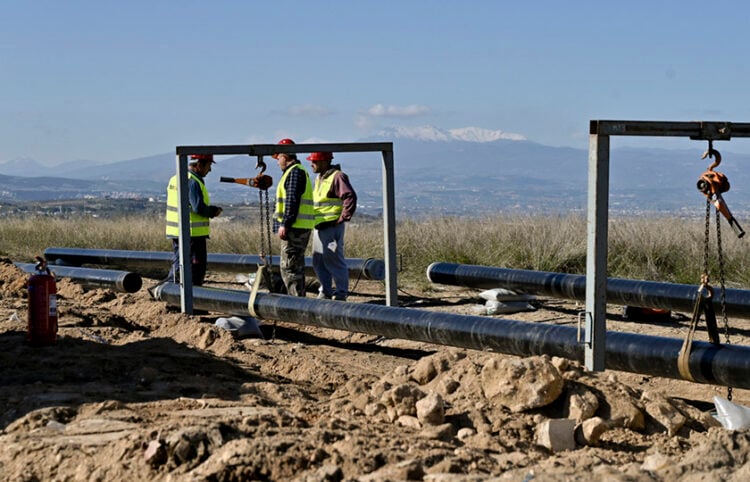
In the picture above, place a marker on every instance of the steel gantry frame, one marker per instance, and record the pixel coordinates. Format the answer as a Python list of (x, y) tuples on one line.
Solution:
[(389, 203), (598, 210)]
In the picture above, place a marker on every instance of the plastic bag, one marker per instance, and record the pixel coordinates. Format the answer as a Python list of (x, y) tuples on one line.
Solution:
[(502, 294), (241, 326), (732, 416), (497, 307)]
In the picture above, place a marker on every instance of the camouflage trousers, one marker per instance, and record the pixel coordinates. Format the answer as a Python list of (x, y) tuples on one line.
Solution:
[(292, 263)]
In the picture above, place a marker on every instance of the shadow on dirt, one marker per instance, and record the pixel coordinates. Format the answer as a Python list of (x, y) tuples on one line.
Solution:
[(372, 346), (76, 371)]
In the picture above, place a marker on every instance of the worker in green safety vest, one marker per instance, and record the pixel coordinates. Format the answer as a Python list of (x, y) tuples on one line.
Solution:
[(335, 203), (201, 211), (294, 219)]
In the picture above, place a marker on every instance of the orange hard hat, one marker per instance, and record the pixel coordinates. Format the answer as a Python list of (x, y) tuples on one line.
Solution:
[(202, 157), (320, 156), (282, 141)]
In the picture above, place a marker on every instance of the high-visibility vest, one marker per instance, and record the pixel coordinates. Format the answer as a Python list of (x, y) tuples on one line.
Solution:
[(306, 215), (326, 208), (199, 225)]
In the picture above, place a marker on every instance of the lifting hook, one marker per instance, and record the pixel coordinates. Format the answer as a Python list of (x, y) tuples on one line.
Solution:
[(712, 153), (260, 164)]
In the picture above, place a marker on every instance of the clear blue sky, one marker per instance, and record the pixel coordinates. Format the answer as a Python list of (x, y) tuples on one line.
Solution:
[(112, 80)]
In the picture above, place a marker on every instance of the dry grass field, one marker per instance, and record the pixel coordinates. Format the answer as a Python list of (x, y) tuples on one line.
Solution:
[(657, 249)]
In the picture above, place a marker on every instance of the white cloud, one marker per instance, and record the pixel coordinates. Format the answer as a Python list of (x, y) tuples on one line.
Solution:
[(380, 110), (363, 122)]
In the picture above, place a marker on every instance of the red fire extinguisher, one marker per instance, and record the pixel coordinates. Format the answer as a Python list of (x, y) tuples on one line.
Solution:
[(42, 328)]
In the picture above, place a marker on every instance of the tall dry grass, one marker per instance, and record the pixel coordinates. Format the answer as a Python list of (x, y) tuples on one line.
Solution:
[(663, 249)]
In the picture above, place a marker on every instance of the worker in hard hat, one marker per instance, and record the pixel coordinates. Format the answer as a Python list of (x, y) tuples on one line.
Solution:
[(335, 202), (201, 211), (294, 219)]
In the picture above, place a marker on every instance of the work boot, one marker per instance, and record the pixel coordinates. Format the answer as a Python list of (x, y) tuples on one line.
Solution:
[(339, 298)]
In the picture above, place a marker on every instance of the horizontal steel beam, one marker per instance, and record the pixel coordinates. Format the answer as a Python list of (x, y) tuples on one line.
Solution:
[(122, 281), (699, 130), (269, 149), (369, 268), (727, 365), (651, 294)]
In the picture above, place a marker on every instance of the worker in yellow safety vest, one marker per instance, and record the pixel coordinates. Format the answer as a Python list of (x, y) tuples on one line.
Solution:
[(335, 204), (201, 211), (294, 219)]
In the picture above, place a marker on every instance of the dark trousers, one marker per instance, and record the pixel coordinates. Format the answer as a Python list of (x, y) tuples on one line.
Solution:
[(292, 263), (198, 257)]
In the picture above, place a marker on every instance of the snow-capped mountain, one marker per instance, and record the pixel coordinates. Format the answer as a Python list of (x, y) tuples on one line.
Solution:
[(432, 133)]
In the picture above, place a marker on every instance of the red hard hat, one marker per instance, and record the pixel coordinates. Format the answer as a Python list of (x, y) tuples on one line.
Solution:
[(282, 141), (320, 156), (202, 157)]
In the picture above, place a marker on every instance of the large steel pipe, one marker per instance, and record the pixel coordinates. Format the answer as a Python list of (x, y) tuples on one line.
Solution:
[(123, 281), (652, 294), (727, 365), (151, 261)]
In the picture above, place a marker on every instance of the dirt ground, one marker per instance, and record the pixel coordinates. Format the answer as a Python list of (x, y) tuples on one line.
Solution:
[(136, 391)]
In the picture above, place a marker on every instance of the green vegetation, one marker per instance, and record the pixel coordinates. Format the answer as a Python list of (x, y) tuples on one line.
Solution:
[(666, 249)]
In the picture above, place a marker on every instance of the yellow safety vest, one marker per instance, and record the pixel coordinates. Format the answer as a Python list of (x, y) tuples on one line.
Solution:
[(326, 208), (306, 215), (199, 225)]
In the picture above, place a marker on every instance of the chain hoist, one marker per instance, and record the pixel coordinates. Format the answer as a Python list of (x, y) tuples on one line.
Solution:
[(262, 182), (712, 184)]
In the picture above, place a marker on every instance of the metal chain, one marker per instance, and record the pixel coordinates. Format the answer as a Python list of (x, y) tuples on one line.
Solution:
[(706, 238), (265, 235), (262, 224), (267, 223), (723, 289), (264, 214)]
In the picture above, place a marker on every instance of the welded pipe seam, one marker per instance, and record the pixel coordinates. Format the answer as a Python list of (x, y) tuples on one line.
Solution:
[(727, 365)]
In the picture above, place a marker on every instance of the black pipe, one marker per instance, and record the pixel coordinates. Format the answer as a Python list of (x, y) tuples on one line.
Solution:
[(650, 294), (123, 281), (727, 365), (152, 261)]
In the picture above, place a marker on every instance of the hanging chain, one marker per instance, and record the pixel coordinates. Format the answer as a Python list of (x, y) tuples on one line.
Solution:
[(261, 223), (724, 316), (265, 226), (706, 238), (265, 237)]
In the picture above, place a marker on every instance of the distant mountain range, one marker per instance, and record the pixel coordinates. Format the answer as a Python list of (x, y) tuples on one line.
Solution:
[(466, 171)]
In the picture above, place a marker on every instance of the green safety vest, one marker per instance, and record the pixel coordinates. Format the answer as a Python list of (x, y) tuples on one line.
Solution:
[(199, 225), (306, 215), (326, 208)]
